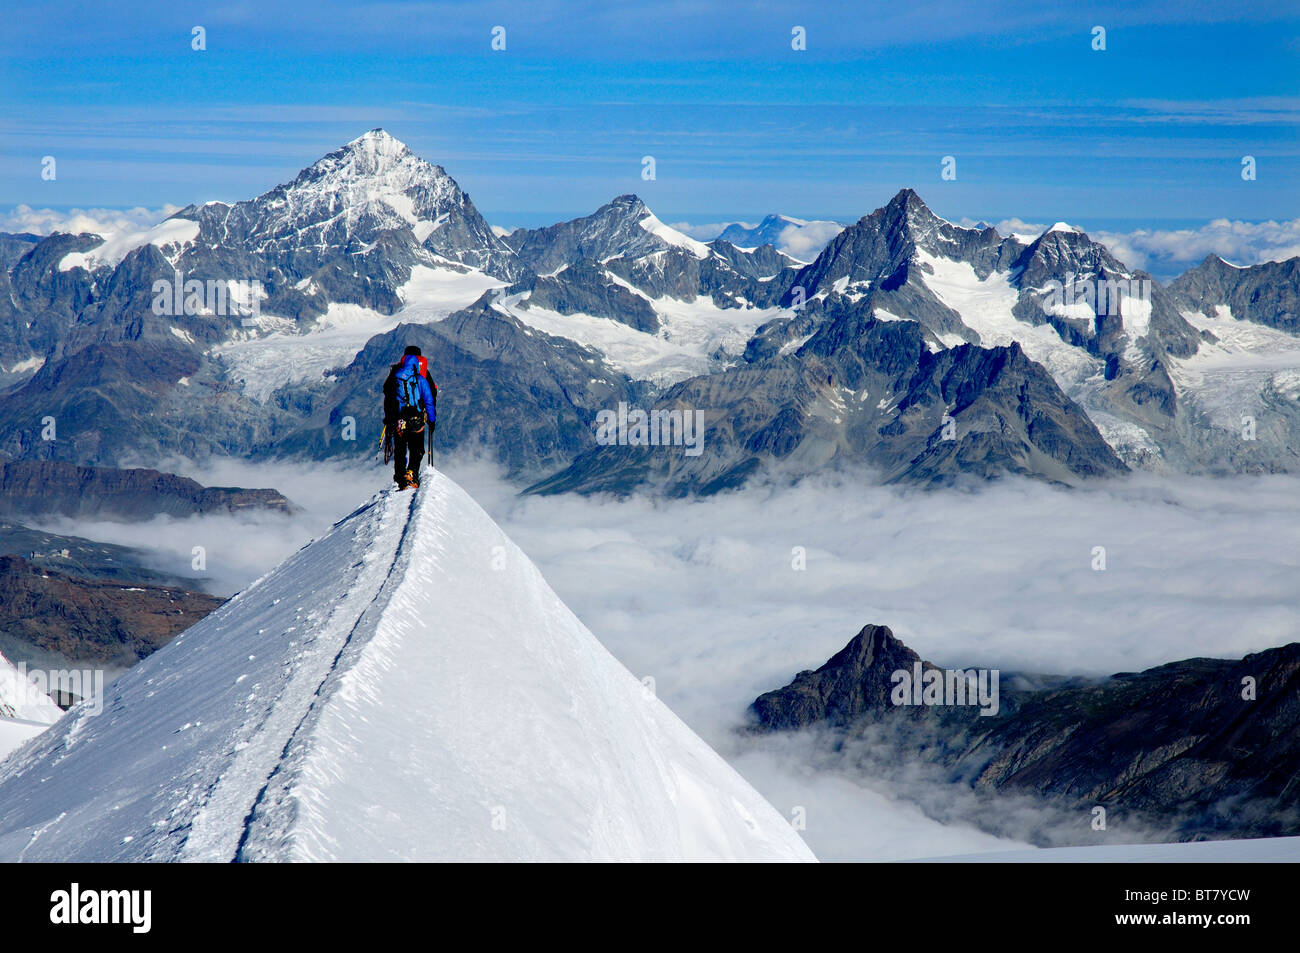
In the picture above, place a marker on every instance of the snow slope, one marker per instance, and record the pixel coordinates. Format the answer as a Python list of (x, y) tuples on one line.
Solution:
[(691, 334), (407, 687), (264, 362), (986, 307), (672, 236), (1249, 364), (171, 236), (15, 732)]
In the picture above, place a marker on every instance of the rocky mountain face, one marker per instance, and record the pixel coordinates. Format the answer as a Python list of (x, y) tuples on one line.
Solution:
[(13, 245), (1105, 334), (1199, 748), (622, 246), (585, 288), (854, 684), (44, 612), (1267, 294), (31, 488), (864, 393), (912, 348), (517, 394), (623, 228)]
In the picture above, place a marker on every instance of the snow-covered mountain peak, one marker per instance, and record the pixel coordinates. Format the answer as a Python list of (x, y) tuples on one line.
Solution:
[(372, 173), (349, 208), (617, 217), (801, 239), (378, 140), (624, 227), (380, 156), (407, 687), (1065, 234)]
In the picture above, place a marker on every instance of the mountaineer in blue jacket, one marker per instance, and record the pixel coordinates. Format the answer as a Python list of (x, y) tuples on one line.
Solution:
[(410, 409)]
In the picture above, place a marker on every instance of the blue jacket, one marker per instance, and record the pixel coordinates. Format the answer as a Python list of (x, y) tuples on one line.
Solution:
[(409, 370)]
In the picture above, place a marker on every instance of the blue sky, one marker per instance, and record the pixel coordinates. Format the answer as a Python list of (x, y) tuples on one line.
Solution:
[(1150, 131)]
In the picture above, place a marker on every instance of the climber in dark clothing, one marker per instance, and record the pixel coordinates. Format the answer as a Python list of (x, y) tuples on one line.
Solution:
[(410, 408)]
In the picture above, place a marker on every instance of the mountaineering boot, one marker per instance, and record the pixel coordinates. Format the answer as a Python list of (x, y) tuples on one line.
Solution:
[(411, 481)]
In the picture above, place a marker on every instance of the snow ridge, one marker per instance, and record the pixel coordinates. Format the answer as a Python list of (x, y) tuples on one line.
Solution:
[(407, 687), (274, 811)]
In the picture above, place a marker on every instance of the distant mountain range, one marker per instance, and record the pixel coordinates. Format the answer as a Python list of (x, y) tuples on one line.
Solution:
[(796, 237), (908, 349), (44, 488)]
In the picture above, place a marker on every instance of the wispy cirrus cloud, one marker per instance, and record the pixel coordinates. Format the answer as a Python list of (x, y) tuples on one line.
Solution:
[(1219, 112)]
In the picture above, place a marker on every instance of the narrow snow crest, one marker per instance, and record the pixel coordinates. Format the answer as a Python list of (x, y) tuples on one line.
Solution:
[(408, 687), (672, 236)]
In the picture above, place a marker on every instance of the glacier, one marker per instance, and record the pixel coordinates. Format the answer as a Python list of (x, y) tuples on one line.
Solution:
[(405, 688)]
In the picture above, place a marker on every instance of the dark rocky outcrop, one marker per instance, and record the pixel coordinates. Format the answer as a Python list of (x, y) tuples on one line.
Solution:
[(1181, 746), (853, 684)]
